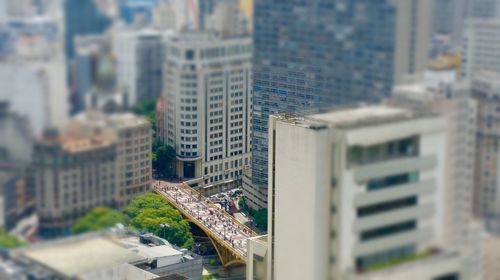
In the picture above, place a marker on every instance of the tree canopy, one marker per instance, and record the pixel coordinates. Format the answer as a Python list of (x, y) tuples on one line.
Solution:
[(148, 109), (260, 218), (98, 219), (8, 241), (163, 156), (149, 211), (163, 159)]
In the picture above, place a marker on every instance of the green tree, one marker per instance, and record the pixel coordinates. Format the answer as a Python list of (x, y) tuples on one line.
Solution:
[(163, 159), (98, 219), (260, 218), (148, 109), (149, 211), (8, 241), (242, 203)]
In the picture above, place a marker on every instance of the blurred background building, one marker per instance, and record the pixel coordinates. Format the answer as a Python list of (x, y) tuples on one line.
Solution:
[(108, 255), (97, 160)]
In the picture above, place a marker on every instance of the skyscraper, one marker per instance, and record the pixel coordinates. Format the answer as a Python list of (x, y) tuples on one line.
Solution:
[(139, 55), (82, 17), (481, 51), (315, 54), (208, 93), (485, 88), (453, 101), (413, 28)]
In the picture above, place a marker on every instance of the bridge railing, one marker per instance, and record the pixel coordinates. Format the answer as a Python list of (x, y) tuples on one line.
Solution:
[(227, 215), (249, 232)]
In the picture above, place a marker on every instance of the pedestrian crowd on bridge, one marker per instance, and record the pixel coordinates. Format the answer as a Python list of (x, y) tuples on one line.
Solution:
[(210, 216)]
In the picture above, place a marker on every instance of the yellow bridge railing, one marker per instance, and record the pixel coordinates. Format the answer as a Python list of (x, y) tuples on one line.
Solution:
[(228, 255)]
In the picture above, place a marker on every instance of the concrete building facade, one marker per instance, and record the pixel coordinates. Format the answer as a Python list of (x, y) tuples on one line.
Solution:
[(480, 51), (96, 161), (453, 101), (413, 29), (294, 73), (208, 96), (371, 184), (139, 57), (485, 89)]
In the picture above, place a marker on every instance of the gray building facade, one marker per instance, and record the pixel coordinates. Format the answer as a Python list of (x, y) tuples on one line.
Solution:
[(315, 54)]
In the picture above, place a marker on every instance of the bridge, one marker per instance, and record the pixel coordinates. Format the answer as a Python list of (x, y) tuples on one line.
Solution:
[(227, 234)]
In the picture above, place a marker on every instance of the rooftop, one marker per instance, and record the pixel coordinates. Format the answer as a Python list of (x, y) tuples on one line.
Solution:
[(133, 243), (157, 251), (75, 256), (353, 117), (72, 143)]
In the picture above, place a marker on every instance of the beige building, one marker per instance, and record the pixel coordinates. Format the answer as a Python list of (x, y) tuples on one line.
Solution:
[(491, 263), (257, 258), (480, 50), (208, 97), (413, 26), (358, 194), (485, 89), (98, 160), (461, 230)]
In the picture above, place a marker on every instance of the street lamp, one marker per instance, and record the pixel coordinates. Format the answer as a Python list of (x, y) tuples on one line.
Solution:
[(164, 227)]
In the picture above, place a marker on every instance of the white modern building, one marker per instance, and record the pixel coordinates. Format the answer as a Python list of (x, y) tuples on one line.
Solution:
[(481, 51), (208, 96), (358, 194)]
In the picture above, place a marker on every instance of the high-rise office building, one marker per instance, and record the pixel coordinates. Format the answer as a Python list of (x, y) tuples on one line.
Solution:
[(33, 73), (311, 55), (413, 26), (453, 101), (16, 147), (483, 9), (97, 160), (18, 9), (139, 56), (165, 16), (36, 89), (354, 190), (485, 89), (228, 19), (481, 51), (448, 18), (208, 95), (82, 17), (89, 50)]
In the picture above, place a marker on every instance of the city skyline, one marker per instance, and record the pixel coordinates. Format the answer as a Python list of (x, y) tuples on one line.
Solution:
[(249, 139)]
